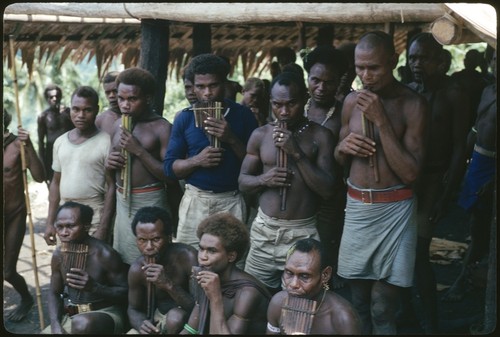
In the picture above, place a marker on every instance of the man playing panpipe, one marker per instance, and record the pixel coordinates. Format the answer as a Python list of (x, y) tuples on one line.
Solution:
[(79, 167), (88, 280), (159, 279), (236, 302), (317, 311), (305, 178), (377, 249), (145, 146), (210, 172)]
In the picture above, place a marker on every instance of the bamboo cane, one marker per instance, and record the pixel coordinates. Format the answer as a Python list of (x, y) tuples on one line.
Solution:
[(282, 162), (369, 131), (127, 170), (25, 182), (151, 305)]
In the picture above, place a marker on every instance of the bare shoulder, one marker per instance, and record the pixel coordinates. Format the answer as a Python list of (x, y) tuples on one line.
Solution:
[(181, 252)]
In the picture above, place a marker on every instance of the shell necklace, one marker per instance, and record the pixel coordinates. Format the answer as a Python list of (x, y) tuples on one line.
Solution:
[(329, 114)]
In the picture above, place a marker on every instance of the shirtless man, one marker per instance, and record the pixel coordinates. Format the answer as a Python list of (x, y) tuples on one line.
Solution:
[(377, 250), (289, 196), (147, 144), (15, 209), (325, 67), (477, 192), (79, 167), (97, 293), (444, 163), (235, 300), (169, 275), (107, 118), (52, 123), (306, 275)]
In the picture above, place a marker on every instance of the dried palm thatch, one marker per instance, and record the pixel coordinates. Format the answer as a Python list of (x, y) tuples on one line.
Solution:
[(250, 31)]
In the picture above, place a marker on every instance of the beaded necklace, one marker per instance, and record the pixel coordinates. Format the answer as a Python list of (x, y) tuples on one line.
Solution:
[(328, 115)]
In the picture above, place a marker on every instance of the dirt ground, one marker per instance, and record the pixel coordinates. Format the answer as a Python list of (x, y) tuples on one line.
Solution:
[(455, 318)]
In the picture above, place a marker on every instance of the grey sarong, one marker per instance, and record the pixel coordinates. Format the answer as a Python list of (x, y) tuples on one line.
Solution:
[(379, 241)]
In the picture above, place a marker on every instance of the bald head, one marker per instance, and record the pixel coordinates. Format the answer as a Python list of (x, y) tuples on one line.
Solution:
[(375, 40)]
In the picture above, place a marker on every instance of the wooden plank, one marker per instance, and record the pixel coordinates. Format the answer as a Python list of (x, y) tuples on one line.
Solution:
[(242, 12)]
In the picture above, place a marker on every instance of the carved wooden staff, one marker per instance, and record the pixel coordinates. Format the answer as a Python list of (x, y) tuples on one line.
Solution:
[(25, 182), (282, 162), (151, 289)]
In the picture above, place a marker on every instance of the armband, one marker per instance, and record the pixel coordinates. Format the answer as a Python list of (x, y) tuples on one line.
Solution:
[(273, 328), (474, 129), (190, 329)]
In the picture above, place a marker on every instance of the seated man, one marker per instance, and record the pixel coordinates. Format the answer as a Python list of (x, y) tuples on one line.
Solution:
[(93, 274), (306, 276), (158, 297), (234, 301)]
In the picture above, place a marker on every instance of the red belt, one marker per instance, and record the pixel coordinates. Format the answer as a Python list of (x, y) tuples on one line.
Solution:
[(370, 197), (141, 190)]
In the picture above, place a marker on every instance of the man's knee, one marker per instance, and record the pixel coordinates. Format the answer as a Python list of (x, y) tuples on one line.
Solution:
[(175, 319), (92, 323)]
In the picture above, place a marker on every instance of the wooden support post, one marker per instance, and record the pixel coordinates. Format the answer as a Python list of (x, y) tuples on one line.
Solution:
[(154, 56), (202, 39)]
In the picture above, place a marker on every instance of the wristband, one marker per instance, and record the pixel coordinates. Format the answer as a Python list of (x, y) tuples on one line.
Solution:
[(190, 329)]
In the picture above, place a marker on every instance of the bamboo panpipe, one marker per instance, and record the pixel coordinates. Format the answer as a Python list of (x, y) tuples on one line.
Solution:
[(74, 255), (151, 305), (126, 171), (201, 299), (202, 110), (282, 162), (297, 315), (369, 131)]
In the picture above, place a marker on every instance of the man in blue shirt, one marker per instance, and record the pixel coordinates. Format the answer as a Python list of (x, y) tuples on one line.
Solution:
[(211, 172)]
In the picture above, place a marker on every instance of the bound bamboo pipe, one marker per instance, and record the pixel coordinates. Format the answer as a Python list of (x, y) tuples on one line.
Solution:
[(369, 131), (25, 182), (151, 305), (282, 162), (127, 170)]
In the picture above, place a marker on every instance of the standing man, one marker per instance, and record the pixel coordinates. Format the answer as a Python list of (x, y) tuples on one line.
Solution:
[(146, 143), (237, 301), (107, 119), (377, 250), (254, 92), (306, 276), (79, 171), (477, 196), (326, 66), (289, 195), (168, 275), (93, 283), (15, 209), (211, 173), (52, 123), (444, 161)]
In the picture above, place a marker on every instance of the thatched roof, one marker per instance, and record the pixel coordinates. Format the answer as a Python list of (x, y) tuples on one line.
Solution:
[(252, 31)]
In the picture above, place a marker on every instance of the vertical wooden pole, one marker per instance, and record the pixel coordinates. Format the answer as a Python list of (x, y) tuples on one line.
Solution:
[(154, 57)]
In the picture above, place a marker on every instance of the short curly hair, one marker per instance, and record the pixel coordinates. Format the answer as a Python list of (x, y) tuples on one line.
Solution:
[(327, 55), (208, 64), (139, 77), (151, 214), (232, 232)]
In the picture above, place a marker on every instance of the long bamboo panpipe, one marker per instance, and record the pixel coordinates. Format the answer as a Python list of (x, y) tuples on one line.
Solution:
[(127, 170), (74, 255), (151, 305), (369, 131), (25, 182), (282, 162)]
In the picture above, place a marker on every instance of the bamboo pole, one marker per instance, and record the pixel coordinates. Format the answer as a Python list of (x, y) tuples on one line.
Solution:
[(26, 191)]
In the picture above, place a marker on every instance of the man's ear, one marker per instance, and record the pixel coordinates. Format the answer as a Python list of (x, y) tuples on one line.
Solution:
[(326, 274), (231, 256)]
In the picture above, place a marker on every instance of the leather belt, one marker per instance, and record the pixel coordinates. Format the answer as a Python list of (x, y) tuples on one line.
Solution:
[(73, 308), (370, 196)]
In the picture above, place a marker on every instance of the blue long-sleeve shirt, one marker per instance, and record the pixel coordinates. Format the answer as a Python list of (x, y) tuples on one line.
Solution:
[(187, 141)]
